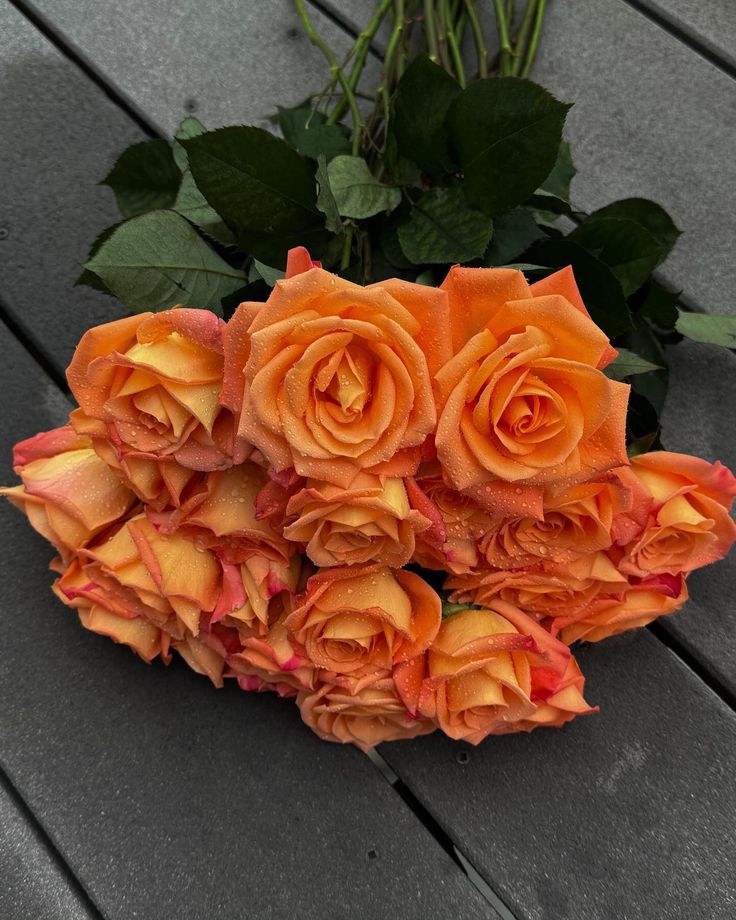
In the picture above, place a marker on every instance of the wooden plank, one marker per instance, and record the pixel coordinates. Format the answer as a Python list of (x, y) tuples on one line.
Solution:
[(230, 62), (699, 419), (59, 134), (34, 885), (168, 797), (624, 814), (711, 24), (651, 118)]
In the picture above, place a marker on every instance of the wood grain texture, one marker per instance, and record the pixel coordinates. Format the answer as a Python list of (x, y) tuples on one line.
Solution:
[(628, 813)]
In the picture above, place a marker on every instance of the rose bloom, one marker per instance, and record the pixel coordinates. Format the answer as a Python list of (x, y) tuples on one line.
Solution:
[(338, 376), (643, 602), (562, 707), (488, 671), (148, 387), (371, 521), (584, 518), (221, 513), (545, 592), (272, 660), (361, 619), (523, 402), (458, 522), (689, 525), (362, 711), (68, 493)]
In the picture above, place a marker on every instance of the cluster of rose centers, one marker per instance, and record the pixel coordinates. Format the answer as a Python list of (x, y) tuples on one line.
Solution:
[(263, 496)]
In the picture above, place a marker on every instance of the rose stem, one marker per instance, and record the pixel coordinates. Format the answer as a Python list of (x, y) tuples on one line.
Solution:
[(522, 40), (534, 41), (480, 44), (507, 52)]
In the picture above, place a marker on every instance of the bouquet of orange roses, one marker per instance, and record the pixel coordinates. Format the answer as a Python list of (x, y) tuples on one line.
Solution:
[(400, 487)]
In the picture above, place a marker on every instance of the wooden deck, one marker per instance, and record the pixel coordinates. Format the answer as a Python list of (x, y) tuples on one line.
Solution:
[(130, 791)]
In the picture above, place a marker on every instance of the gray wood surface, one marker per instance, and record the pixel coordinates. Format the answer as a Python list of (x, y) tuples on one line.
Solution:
[(32, 883), (627, 814), (712, 24)]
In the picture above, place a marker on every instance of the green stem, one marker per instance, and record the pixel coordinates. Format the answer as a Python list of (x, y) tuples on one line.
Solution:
[(385, 89), (442, 30), (523, 39), (346, 248), (431, 31), (507, 52), (456, 56), (361, 48), (336, 71), (480, 45), (534, 41)]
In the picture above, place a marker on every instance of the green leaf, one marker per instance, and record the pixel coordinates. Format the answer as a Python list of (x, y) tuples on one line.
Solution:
[(307, 130), (651, 386), (190, 203), (641, 445), (423, 97), (710, 328), (190, 127), (627, 363), (357, 192), (269, 274), (513, 234), (647, 214), (631, 252), (325, 199), (88, 278), (558, 181), (144, 178), (660, 306), (599, 287), (157, 260), (549, 206), (261, 187), (442, 228), (507, 132)]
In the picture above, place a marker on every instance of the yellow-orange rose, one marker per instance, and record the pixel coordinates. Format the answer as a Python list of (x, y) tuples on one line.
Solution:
[(364, 712), (458, 522), (545, 592), (487, 671), (641, 603), (221, 513), (689, 525), (371, 521), (522, 403), (338, 377), (360, 619), (148, 388), (68, 493), (582, 519)]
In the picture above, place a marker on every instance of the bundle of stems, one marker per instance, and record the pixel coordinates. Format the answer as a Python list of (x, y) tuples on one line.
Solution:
[(443, 29)]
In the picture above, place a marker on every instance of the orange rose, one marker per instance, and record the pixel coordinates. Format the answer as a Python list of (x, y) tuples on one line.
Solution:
[(544, 592), (582, 519), (689, 525), (272, 660), (458, 522), (558, 709), (486, 671), (357, 620), (371, 521), (148, 388), (364, 712), (640, 604), (522, 403), (68, 493), (222, 513), (338, 377)]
